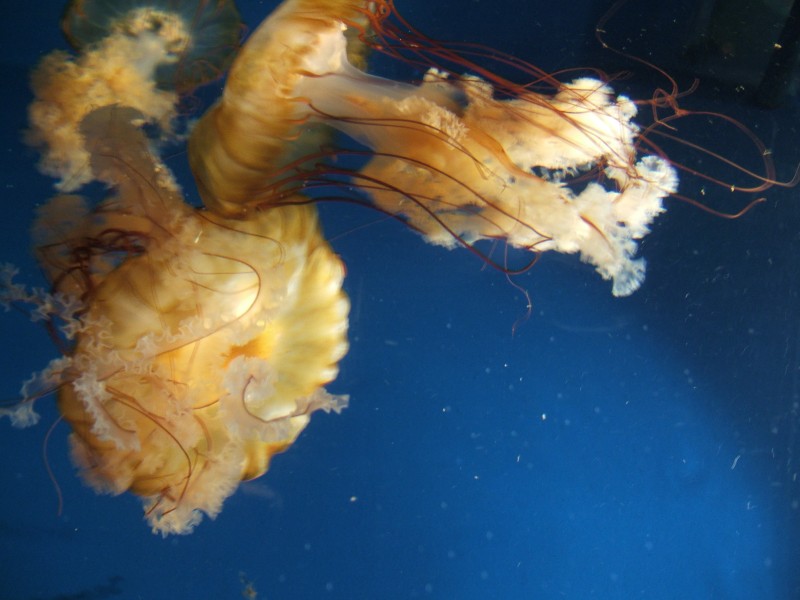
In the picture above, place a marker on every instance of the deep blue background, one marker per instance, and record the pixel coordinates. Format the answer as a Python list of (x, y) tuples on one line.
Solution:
[(644, 447)]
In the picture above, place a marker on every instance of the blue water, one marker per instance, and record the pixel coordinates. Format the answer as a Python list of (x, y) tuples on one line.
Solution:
[(644, 447)]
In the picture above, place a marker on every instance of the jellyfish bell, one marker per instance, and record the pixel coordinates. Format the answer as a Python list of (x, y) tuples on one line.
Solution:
[(140, 54), (192, 41), (242, 143), (199, 345)]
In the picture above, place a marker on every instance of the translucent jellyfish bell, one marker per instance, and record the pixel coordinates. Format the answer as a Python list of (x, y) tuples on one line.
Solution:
[(201, 36)]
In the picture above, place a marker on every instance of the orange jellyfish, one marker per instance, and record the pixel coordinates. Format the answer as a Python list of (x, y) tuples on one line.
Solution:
[(199, 344)]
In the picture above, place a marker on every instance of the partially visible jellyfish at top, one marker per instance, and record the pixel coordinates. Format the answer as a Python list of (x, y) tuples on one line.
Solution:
[(141, 55), (197, 342), (191, 41)]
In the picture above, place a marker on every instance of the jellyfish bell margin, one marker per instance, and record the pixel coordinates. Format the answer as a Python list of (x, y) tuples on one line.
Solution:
[(197, 342)]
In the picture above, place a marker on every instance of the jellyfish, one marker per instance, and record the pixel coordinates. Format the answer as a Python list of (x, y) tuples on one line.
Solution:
[(452, 156), (140, 55), (199, 344)]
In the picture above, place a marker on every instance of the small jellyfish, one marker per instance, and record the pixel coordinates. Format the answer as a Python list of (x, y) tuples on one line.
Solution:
[(141, 55), (196, 346), (197, 39)]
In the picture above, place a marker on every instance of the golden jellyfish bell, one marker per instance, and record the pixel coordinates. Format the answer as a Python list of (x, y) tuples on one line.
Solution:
[(239, 149), (201, 343)]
